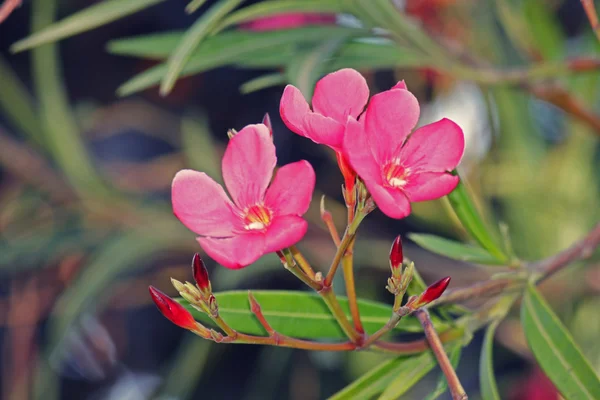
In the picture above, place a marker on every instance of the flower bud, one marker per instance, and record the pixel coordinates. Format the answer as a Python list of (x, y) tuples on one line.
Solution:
[(172, 310), (349, 178), (267, 122), (396, 257), (201, 276), (433, 292), (231, 133)]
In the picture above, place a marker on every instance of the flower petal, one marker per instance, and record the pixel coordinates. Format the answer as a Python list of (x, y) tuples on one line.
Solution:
[(285, 231), (392, 202), (291, 190), (435, 147), (293, 109), (324, 130), (430, 185), (248, 165), (235, 252), (341, 94), (400, 85), (357, 151), (201, 204), (389, 119)]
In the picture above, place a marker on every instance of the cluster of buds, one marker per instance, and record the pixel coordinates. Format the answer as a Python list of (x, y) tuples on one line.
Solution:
[(402, 274), (200, 297)]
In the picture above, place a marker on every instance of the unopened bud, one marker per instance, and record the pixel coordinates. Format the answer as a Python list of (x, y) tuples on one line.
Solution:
[(324, 212), (172, 310), (433, 292), (396, 257), (267, 122), (254, 306), (188, 291), (347, 172), (231, 133), (201, 276)]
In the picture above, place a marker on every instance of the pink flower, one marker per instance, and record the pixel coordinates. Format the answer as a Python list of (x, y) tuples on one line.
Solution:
[(288, 21), (262, 218), (398, 169), (337, 96)]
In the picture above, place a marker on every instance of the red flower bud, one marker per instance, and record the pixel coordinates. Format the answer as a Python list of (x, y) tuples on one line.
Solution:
[(434, 291), (267, 122), (347, 171), (396, 254), (201, 274), (172, 310)]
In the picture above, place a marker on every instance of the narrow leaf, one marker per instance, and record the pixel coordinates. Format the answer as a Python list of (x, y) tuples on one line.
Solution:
[(84, 20), (199, 147), (556, 352), (467, 213), (373, 382), (194, 5), (411, 372), (453, 249), (442, 385), (198, 31), (487, 379), (299, 314), (263, 82)]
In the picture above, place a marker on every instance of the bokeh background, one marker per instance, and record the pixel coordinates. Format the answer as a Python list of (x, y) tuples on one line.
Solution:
[(86, 224)]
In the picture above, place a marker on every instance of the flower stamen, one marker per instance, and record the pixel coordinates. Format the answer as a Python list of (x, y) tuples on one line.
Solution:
[(394, 174), (257, 218)]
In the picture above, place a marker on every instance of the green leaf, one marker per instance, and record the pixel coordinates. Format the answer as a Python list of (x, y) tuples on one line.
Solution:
[(307, 67), (84, 20), (271, 8), (453, 249), (556, 352), (442, 385), (487, 379), (190, 41), (467, 213), (199, 147), (300, 314), (194, 5), (235, 49), (411, 372), (373, 382), (263, 82)]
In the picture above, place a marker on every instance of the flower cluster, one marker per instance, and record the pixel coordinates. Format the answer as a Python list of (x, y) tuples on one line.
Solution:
[(374, 142)]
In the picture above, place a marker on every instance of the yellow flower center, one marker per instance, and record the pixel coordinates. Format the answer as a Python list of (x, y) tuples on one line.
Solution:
[(257, 218), (395, 175)]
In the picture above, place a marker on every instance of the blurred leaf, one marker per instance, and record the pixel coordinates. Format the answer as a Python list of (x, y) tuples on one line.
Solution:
[(199, 147), (300, 314), (194, 5), (373, 382), (191, 39), (307, 67), (84, 20), (61, 127), (453, 249), (183, 374), (263, 82), (544, 28), (556, 352), (18, 106), (411, 372), (272, 8), (156, 45), (379, 54), (442, 385), (487, 379), (467, 213), (236, 50)]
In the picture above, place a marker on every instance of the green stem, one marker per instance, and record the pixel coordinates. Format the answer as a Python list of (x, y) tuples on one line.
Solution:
[(334, 306), (348, 268)]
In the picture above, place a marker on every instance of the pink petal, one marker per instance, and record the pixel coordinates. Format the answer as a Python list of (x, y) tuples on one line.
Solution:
[(400, 85), (234, 252), (392, 202), (202, 205), (293, 109), (324, 130), (285, 231), (357, 151), (389, 119), (435, 147), (292, 189), (429, 185), (248, 165), (341, 94)]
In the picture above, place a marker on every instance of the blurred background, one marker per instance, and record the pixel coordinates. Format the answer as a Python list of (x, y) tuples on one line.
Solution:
[(86, 223)]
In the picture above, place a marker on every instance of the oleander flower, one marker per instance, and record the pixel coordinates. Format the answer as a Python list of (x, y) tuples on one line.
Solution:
[(262, 218), (399, 167)]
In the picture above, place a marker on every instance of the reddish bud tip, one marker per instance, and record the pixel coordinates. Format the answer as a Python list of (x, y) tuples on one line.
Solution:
[(434, 291), (172, 310), (347, 171), (200, 274), (267, 122), (396, 254)]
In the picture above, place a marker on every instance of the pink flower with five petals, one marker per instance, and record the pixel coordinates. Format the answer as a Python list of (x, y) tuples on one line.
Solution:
[(262, 218), (399, 167)]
